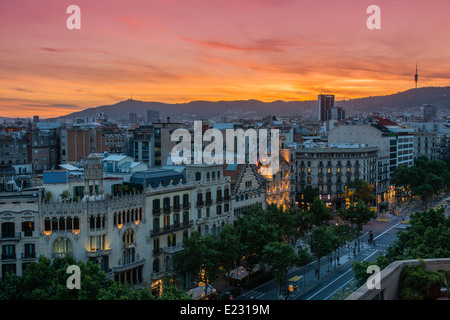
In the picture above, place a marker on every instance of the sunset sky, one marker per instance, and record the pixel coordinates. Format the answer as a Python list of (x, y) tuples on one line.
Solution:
[(183, 50)]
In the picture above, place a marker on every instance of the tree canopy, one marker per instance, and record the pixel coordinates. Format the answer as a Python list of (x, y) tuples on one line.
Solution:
[(47, 280)]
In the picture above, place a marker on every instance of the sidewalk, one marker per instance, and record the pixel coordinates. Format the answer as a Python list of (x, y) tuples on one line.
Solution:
[(269, 291)]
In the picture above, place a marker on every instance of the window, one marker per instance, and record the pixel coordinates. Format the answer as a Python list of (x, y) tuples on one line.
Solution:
[(29, 250), (167, 222), (172, 240), (156, 265), (156, 224), (156, 245), (8, 251), (8, 229), (156, 206), (28, 228), (185, 200), (185, 217), (62, 245)]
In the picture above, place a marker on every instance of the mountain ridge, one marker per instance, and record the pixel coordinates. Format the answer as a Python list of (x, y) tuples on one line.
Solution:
[(202, 109)]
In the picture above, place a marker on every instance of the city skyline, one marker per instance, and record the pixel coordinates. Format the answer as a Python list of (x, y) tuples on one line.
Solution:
[(174, 52)]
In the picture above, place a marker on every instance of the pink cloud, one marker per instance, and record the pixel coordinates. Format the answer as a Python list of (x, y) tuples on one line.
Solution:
[(180, 49)]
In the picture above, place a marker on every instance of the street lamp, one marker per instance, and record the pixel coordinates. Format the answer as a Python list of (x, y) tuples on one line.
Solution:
[(352, 194)]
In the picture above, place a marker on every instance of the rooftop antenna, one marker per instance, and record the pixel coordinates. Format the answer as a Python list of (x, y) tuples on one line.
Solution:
[(416, 76)]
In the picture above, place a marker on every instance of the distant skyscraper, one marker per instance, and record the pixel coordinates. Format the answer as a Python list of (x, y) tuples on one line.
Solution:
[(152, 116), (326, 102)]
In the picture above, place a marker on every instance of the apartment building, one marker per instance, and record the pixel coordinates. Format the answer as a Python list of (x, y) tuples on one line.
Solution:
[(329, 169), (78, 142), (426, 144), (19, 231)]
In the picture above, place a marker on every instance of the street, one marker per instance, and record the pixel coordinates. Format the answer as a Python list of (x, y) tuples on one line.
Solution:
[(338, 274)]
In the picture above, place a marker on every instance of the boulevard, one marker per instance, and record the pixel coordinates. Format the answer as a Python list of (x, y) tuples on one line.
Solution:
[(337, 276)]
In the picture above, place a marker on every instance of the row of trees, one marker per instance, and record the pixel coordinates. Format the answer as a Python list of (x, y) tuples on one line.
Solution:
[(426, 178), (268, 238), (47, 280)]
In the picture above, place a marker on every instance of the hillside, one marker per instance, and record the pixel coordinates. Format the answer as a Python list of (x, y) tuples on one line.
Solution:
[(400, 102)]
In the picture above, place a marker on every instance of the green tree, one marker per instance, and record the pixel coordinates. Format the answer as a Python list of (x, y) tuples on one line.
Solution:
[(363, 191), (255, 232), (200, 258), (171, 292), (281, 257), (291, 224), (47, 280), (426, 237), (322, 243), (230, 249), (342, 233), (319, 214), (425, 178), (356, 216)]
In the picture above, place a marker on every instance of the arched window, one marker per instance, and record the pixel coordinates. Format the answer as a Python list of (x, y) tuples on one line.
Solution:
[(198, 176), (128, 236), (62, 246)]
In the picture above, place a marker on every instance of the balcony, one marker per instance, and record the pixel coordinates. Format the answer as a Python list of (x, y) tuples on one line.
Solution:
[(156, 210), (219, 200), (98, 253), (200, 203), (129, 265), (29, 255), (171, 228), (167, 209), (8, 256), (129, 245), (158, 275), (174, 249), (208, 202), (186, 205), (10, 236), (61, 255), (176, 207)]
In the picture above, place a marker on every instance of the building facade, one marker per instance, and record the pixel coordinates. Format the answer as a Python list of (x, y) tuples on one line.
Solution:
[(329, 169), (248, 187)]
